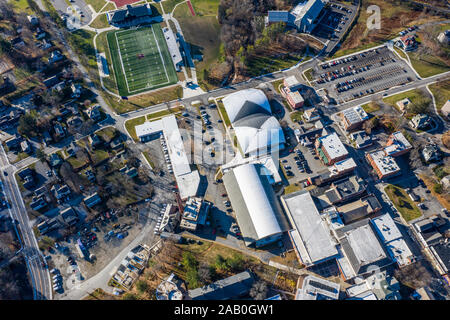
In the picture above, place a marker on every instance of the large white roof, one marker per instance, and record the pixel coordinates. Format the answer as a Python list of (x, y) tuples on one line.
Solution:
[(259, 207), (253, 139), (235, 102), (255, 127)]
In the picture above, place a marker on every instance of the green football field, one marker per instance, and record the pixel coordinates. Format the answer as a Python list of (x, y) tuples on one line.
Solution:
[(141, 60)]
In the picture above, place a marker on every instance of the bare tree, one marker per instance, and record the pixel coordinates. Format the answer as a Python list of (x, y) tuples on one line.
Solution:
[(259, 290)]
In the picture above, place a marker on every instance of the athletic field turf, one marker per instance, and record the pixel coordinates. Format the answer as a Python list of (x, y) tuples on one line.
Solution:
[(141, 60)]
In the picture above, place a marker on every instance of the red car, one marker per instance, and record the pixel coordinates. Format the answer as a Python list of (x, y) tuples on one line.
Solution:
[(224, 194)]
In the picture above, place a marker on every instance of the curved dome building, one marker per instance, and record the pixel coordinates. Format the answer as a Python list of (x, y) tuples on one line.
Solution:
[(257, 130)]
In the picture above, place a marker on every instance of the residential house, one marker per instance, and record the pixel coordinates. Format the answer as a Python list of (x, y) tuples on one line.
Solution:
[(409, 42), (311, 115), (55, 160), (361, 139), (61, 192), (403, 104), (94, 140), (420, 121), (34, 21), (69, 216), (77, 89), (431, 153), (25, 146), (94, 113), (445, 110), (92, 200), (37, 203), (59, 130)]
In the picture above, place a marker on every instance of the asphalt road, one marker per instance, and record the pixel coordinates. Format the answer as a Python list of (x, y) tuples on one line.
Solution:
[(40, 276)]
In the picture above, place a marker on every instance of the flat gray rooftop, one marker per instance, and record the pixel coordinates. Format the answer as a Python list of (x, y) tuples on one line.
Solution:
[(311, 236)]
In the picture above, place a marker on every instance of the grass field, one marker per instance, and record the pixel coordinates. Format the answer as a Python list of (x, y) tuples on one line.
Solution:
[(141, 60), (441, 92), (401, 53), (202, 33), (427, 65), (412, 95), (371, 107), (100, 22), (403, 202), (96, 4)]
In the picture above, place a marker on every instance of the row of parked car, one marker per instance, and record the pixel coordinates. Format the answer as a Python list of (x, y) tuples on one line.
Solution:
[(57, 280), (166, 153), (406, 31)]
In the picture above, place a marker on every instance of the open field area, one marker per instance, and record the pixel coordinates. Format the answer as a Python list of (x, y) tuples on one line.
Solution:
[(402, 202), (396, 15), (141, 60), (418, 97), (441, 92), (427, 65), (202, 34), (96, 4), (100, 22)]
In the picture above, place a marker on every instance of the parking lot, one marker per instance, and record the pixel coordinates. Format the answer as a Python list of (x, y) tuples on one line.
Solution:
[(335, 20), (76, 11), (362, 74), (301, 163)]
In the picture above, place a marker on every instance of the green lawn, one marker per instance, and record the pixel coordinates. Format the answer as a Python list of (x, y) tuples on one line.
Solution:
[(141, 60), (130, 124), (403, 202), (160, 114), (308, 74), (296, 116), (292, 188), (441, 92), (96, 4), (427, 65), (413, 95), (109, 7), (149, 160), (371, 107), (276, 85), (100, 22), (21, 6), (223, 113), (263, 64), (401, 53), (202, 34), (168, 5)]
